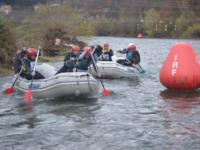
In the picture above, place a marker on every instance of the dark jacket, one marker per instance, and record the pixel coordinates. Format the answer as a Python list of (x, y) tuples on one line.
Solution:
[(132, 56), (71, 55), (18, 61), (84, 62), (70, 61), (28, 70), (98, 50), (18, 64)]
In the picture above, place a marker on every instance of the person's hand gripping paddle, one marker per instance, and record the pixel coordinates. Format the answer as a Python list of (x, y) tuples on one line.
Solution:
[(106, 92), (28, 96)]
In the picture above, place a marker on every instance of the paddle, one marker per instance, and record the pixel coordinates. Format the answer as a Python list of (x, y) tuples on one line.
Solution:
[(105, 91), (139, 68), (11, 90), (28, 96)]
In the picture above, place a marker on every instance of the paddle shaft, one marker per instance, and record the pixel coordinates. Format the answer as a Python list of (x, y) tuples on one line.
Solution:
[(34, 69), (95, 68), (18, 75), (136, 66)]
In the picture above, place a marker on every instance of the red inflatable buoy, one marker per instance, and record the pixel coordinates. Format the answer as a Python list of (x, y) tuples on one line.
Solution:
[(181, 69), (140, 35)]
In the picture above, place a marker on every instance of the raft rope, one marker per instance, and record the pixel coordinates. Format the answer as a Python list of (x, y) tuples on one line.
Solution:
[(88, 82)]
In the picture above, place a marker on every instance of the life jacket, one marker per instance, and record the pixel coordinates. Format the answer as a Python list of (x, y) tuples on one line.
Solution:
[(70, 56), (98, 50), (104, 57), (70, 60), (129, 55), (84, 63), (32, 65), (133, 56), (28, 66), (136, 57)]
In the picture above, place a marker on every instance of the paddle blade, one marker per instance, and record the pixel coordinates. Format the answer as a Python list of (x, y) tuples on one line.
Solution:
[(142, 71), (28, 96), (9, 91), (106, 92)]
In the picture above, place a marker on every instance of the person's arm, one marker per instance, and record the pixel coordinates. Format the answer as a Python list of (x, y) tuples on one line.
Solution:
[(123, 51), (111, 52), (98, 50), (96, 58), (27, 69), (17, 65), (81, 56), (99, 47), (67, 56), (138, 56)]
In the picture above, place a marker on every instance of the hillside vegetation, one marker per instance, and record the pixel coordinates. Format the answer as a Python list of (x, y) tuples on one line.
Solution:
[(54, 23), (153, 18)]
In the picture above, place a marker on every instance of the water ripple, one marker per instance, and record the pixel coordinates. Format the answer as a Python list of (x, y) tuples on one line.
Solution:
[(140, 114)]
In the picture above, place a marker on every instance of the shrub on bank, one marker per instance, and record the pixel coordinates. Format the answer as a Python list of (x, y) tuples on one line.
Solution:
[(193, 31), (51, 27), (7, 44)]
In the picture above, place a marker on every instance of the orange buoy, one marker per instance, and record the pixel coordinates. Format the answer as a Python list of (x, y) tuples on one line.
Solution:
[(181, 69), (139, 35)]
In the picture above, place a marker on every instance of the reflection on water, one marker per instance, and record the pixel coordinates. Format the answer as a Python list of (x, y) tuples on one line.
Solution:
[(181, 118), (181, 101)]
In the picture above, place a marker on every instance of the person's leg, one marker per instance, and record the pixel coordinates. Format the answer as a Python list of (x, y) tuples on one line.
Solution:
[(38, 76), (124, 62), (120, 61), (63, 69)]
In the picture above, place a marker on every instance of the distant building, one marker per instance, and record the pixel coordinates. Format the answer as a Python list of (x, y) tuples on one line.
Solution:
[(37, 6), (55, 5), (7, 9)]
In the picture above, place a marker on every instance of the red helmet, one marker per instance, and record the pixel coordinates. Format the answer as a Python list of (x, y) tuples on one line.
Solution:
[(31, 52), (76, 48), (106, 44), (87, 51), (131, 47)]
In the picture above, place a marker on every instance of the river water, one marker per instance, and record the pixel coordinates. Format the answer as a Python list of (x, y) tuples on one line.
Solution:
[(140, 114)]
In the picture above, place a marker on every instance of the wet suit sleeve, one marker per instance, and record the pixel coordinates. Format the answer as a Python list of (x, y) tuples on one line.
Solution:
[(67, 57), (110, 54), (17, 64), (98, 50), (81, 56), (26, 73), (136, 57), (123, 51)]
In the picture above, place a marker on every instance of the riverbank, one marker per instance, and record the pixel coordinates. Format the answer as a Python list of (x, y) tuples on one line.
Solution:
[(5, 71), (44, 59)]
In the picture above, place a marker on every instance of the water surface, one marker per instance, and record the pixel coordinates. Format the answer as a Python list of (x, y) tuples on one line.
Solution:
[(140, 114)]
